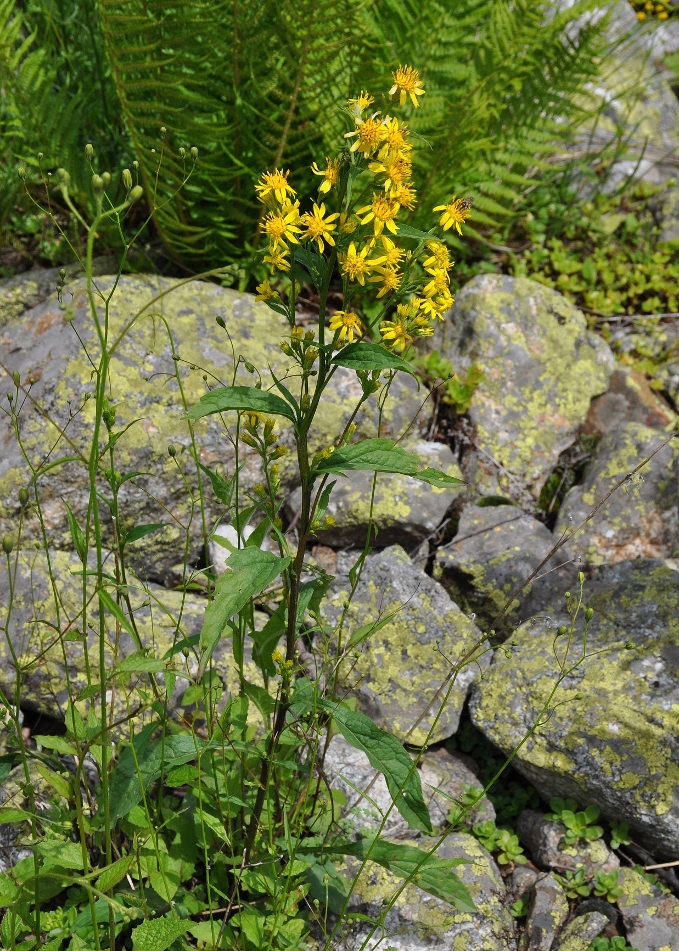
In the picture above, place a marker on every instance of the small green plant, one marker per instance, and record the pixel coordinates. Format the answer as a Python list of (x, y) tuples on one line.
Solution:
[(579, 825), (520, 908), (606, 885), (501, 841), (620, 834), (618, 943), (574, 884), (456, 392)]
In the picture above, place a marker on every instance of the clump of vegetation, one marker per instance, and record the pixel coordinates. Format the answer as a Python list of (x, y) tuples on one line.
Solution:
[(455, 390)]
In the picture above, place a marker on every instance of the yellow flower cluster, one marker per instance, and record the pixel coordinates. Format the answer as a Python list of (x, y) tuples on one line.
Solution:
[(285, 226), (368, 252)]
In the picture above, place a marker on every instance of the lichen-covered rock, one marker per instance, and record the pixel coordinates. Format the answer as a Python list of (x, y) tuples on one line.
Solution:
[(544, 842), (174, 319), (651, 915), (641, 518), (401, 673), (542, 367), (629, 399), (22, 291), (445, 779), (419, 922), (495, 550), (547, 915), (53, 652), (581, 931), (608, 735), (405, 510)]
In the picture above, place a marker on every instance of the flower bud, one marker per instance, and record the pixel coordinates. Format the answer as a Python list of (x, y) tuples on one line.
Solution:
[(7, 544), (589, 613), (64, 177), (21, 172), (581, 577), (40, 156), (182, 152), (89, 151), (62, 273), (163, 131), (135, 194), (561, 630), (171, 451), (16, 378), (23, 497), (221, 322), (127, 179), (248, 366), (97, 183), (194, 153), (106, 178)]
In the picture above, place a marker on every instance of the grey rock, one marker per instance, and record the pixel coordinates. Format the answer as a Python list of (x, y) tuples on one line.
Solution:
[(608, 735), (444, 777), (401, 673), (23, 291), (641, 518), (496, 549), (547, 915), (651, 916), (629, 399), (581, 931), (542, 367), (55, 418)]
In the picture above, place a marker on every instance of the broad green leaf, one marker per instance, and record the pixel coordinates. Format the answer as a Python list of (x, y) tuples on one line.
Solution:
[(153, 755), (433, 874), (11, 814), (244, 398), (57, 852), (139, 531), (249, 571), (8, 890), (405, 231), (114, 873), (56, 780), (384, 751), (370, 356), (157, 934), (381, 455), (139, 663), (58, 743)]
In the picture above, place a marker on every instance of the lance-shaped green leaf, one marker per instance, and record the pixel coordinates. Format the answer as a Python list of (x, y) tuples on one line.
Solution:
[(249, 571), (406, 231), (384, 751), (381, 455), (243, 398), (431, 873), (370, 356)]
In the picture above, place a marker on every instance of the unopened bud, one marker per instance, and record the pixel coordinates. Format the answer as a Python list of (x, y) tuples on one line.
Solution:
[(171, 451), (40, 156), (7, 544), (629, 646), (182, 152), (127, 179), (220, 322), (589, 613), (63, 176), (135, 194), (16, 378), (21, 172), (62, 273), (561, 630), (163, 131), (581, 577), (106, 178), (194, 153), (23, 497), (89, 150), (97, 183), (248, 366)]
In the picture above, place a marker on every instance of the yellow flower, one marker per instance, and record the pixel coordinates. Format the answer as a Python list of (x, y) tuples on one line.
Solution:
[(361, 102), (317, 227), (395, 135), (393, 255), (389, 278), (407, 83), (266, 292), (274, 185), (404, 194), (381, 212), (347, 323), (439, 257), (330, 174), (438, 283), (396, 169), (281, 226), (396, 331), (422, 326), (369, 136), (348, 224), (277, 259), (454, 213), (354, 264)]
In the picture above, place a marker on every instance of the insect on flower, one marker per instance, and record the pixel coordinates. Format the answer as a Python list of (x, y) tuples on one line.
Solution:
[(466, 203)]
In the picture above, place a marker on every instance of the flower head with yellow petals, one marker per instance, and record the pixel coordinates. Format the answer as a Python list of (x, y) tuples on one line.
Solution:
[(407, 82), (345, 324)]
